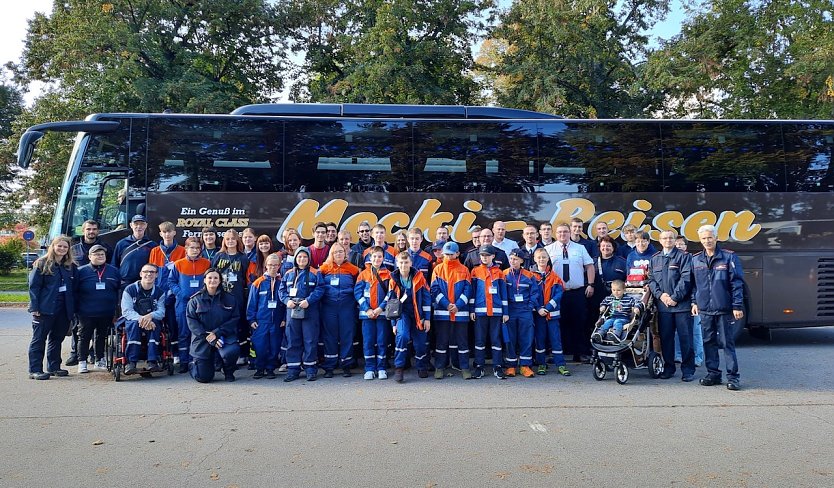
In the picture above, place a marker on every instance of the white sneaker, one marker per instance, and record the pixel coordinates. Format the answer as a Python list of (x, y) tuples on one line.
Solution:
[(101, 364), (369, 375), (82, 367), (282, 368), (176, 360), (382, 374)]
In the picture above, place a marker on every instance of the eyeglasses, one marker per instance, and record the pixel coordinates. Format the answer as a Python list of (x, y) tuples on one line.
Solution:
[(364, 231), (148, 272)]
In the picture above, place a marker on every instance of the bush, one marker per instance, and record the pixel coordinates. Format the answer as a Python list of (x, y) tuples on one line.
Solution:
[(10, 255)]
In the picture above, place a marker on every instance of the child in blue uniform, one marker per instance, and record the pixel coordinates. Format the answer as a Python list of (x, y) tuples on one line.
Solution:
[(301, 288)]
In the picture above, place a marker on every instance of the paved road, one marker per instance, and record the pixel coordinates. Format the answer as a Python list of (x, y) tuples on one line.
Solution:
[(546, 431)]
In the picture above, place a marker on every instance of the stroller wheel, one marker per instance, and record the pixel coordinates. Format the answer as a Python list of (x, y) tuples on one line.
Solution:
[(117, 372), (622, 373), (655, 363), (599, 370)]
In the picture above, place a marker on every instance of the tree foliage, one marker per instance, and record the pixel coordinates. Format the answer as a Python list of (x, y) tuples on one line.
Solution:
[(577, 58), (388, 51), (740, 59)]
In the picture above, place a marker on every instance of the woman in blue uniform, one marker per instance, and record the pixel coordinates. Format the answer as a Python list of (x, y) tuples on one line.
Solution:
[(213, 315), (301, 291), (97, 293), (338, 310), (52, 306)]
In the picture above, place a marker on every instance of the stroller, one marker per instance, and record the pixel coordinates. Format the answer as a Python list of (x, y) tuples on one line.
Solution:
[(635, 350)]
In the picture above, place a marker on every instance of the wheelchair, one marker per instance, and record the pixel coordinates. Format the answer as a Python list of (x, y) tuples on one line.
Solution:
[(116, 346)]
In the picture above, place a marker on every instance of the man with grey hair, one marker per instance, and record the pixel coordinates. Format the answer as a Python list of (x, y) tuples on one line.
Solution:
[(718, 299)]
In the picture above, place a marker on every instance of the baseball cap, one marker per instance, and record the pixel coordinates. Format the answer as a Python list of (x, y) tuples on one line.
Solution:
[(486, 249), (138, 218), (450, 248), (97, 248), (518, 252), (438, 245)]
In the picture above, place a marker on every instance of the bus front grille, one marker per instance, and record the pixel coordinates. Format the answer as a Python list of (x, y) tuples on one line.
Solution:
[(825, 287)]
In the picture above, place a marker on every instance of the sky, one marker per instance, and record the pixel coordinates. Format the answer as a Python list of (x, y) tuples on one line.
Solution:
[(13, 24)]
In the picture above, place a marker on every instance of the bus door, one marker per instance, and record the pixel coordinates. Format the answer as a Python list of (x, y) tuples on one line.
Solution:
[(100, 195)]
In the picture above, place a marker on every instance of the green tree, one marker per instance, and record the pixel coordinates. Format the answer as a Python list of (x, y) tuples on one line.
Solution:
[(388, 51), (738, 59), (141, 56), (579, 58)]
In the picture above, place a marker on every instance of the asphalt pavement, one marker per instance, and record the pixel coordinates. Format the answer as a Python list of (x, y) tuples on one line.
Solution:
[(545, 431)]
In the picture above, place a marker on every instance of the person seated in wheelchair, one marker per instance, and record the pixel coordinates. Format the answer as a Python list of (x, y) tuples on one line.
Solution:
[(616, 310), (143, 308)]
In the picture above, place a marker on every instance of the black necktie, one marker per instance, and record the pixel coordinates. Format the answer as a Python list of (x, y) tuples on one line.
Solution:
[(565, 265)]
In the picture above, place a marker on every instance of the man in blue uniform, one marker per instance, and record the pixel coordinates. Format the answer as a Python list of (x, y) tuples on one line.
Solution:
[(718, 298)]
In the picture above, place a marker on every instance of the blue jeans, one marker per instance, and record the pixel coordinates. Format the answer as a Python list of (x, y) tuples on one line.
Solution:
[(718, 331), (697, 343), (617, 323)]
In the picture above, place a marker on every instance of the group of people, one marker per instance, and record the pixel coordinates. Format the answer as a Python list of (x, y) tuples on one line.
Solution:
[(281, 305)]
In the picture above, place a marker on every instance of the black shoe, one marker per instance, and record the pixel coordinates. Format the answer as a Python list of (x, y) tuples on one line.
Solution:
[(477, 372), (38, 376), (312, 376), (398, 375), (230, 377), (291, 377), (270, 374), (218, 368), (666, 375), (423, 373), (709, 381), (346, 373), (259, 374), (733, 386), (252, 366), (585, 359), (131, 368), (72, 360), (59, 372), (183, 368), (153, 367), (498, 371), (328, 373), (687, 378)]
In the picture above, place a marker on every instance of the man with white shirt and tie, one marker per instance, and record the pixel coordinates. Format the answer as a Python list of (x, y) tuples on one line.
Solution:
[(574, 265)]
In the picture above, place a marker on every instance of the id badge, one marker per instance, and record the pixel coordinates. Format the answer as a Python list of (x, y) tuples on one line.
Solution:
[(194, 284), (100, 285), (334, 281), (62, 288), (293, 292), (232, 278), (272, 304), (519, 297), (493, 290)]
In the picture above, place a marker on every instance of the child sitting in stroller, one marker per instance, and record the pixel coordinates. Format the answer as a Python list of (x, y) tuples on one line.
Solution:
[(618, 309)]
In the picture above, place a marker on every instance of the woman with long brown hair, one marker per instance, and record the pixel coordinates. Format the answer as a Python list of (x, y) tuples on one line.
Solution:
[(52, 306)]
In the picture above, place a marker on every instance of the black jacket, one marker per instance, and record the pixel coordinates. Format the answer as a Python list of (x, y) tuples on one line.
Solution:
[(205, 313), (43, 290)]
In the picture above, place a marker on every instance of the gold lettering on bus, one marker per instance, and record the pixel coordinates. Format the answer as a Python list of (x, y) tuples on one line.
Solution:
[(739, 225)]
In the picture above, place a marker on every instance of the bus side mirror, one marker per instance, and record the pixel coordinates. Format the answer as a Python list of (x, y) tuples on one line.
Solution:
[(27, 147)]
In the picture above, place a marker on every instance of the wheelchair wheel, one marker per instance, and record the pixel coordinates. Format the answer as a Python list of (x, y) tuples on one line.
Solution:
[(146, 374), (621, 372), (117, 372), (599, 370), (110, 348), (655, 364)]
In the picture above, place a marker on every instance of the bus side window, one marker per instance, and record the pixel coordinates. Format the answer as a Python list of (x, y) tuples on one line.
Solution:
[(809, 153)]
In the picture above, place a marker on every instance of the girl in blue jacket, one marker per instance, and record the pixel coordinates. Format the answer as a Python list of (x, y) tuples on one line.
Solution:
[(267, 318), (213, 315), (301, 288), (51, 303)]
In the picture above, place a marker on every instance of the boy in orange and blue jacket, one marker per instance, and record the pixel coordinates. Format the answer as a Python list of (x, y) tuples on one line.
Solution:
[(450, 291), (488, 309), (370, 291), (524, 297), (546, 318)]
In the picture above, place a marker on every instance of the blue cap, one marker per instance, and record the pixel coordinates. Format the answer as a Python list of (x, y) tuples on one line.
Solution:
[(438, 245), (138, 218), (518, 252), (450, 248)]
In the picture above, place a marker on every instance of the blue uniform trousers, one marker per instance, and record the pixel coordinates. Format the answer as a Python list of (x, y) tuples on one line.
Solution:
[(375, 342), (718, 332), (488, 327), (407, 331), (134, 341), (338, 323), (302, 343), (266, 341), (668, 324), (445, 332), (548, 331), (202, 370), (518, 340), (183, 335), (51, 328)]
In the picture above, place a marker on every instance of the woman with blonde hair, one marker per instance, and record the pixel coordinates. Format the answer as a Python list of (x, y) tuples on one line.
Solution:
[(52, 306), (338, 310)]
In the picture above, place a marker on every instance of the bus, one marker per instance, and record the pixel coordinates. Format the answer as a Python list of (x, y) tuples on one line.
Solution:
[(765, 184)]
